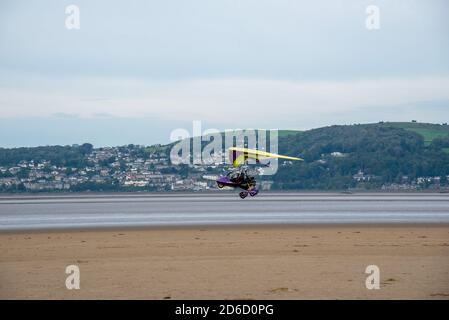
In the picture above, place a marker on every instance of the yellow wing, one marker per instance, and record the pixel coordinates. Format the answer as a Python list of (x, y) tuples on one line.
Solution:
[(238, 156)]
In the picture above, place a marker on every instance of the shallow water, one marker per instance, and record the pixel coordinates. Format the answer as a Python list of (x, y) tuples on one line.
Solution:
[(93, 211)]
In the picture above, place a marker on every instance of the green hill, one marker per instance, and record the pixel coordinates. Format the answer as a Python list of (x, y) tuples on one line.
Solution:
[(384, 152), (428, 131)]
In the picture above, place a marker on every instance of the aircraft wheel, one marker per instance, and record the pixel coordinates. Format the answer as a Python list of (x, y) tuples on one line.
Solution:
[(243, 194)]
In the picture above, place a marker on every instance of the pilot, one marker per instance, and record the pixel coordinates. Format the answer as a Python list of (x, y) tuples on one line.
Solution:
[(243, 176), (235, 177)]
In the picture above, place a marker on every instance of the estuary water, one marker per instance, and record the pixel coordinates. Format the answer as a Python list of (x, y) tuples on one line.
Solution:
[(28, 212)]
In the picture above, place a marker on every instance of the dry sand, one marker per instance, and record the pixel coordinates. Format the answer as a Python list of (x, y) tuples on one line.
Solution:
[(295, 262)]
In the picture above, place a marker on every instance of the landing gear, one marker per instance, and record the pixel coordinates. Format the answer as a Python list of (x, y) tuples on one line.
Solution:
[(243, 194), (252, 193)]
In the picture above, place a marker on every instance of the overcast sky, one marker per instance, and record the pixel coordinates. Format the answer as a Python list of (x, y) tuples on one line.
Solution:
[(136, 70)]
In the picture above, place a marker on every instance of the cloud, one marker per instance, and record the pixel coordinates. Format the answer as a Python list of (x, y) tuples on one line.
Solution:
[(236, 101), (176, 39), (63, 115)]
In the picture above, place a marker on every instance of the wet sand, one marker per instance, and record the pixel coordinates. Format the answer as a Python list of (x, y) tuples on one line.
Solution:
[(218, 209), (260, 262)]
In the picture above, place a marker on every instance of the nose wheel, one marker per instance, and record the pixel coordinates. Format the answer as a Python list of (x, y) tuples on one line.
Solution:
[(243, 194)]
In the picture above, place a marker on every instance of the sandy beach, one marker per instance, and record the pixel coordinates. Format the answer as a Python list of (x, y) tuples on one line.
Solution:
[(260, 262)]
